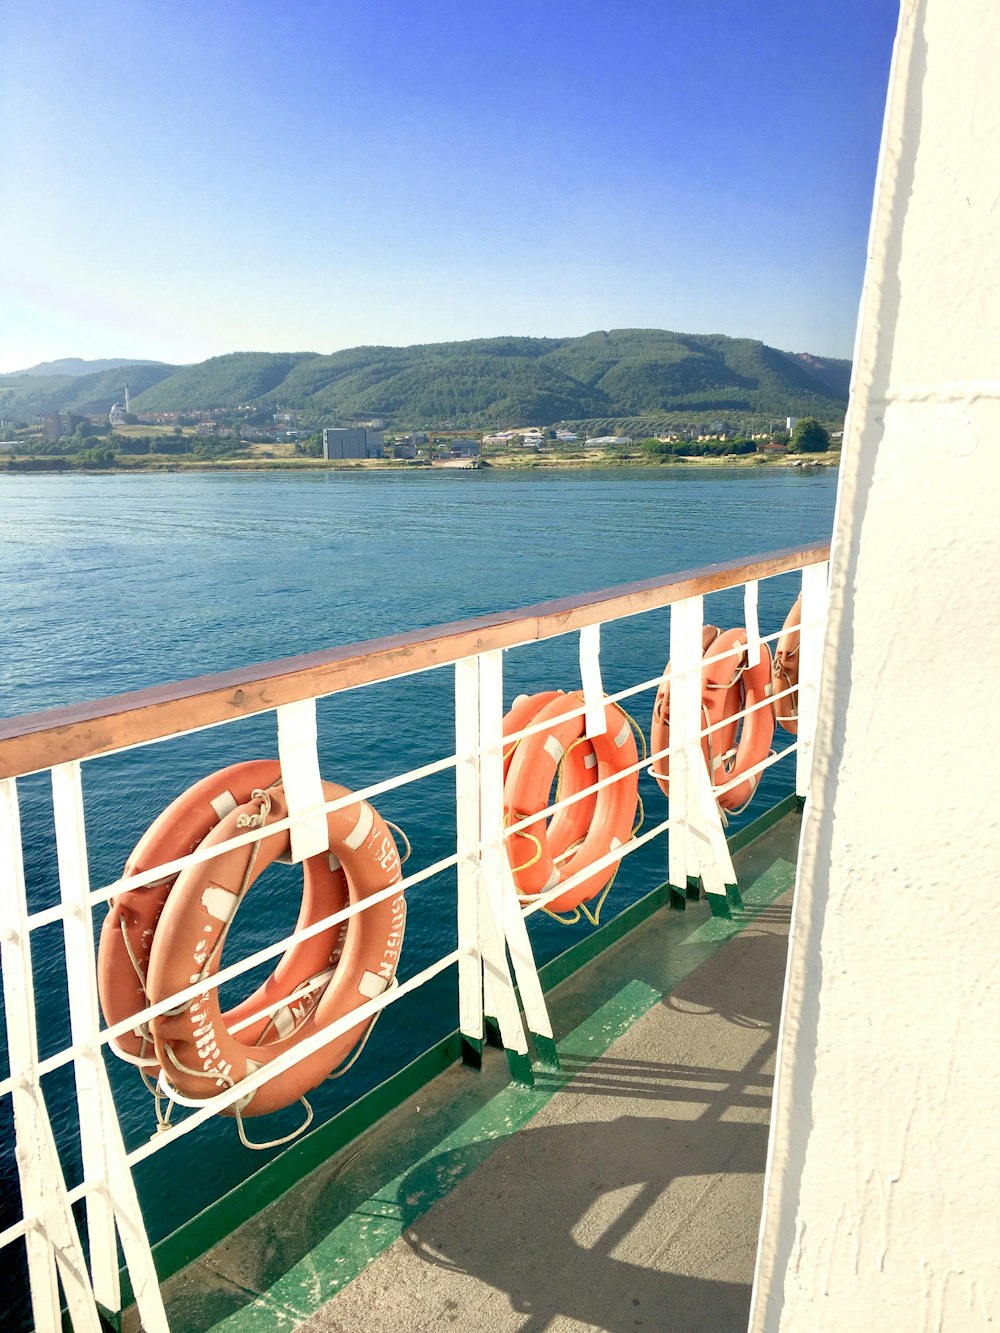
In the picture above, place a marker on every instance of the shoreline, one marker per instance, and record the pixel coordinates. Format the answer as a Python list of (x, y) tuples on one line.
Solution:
[(42, 465)]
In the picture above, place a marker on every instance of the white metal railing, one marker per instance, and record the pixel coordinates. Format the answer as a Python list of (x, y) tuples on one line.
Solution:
[(490, 921)]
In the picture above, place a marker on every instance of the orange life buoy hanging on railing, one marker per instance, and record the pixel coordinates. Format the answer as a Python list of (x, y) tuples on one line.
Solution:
[(746, 685), (716, 743), (154, 946), (133, 914), (198, 1051), (732, 744), (786, 670), (551, 851), (567, 826)]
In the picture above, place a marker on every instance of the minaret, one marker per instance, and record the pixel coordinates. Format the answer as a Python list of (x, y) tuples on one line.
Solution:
[(126, 395)]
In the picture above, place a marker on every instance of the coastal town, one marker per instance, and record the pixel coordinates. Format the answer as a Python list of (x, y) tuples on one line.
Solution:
[(623, 396), (61, 440)]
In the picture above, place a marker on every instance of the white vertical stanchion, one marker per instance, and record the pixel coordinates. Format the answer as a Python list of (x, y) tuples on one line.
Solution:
[(751, 620), (698, 847), (52, 1243), (707, 842), (101, 1142), (512, 924), (595, 715), (493, 854), (686, 619), (811, 634), (301, 779), (522, 956), (467, 819)]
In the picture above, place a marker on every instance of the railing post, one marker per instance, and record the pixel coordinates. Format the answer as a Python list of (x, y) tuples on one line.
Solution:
[(467, 822), (812, 621), (684, 717), (101, 1142), (697, 841), (53, 1245), (499, 986)]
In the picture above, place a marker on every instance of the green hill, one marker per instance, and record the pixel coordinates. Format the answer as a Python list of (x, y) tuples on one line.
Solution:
[(222, 381), (27, 395), (622, 374)]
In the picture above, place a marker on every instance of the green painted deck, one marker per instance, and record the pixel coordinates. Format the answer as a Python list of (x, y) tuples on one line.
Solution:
[(621, 1193)]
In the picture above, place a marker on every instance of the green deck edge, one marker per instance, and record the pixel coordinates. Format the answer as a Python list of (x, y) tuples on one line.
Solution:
[(207, 1228)]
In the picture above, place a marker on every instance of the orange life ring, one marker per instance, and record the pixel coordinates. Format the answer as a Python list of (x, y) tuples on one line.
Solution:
[(712, 745), (755, 731), (127, 933), (522, 713), (547, 853), (574, 774), (786, 670), (196, 1048), (729, 685)]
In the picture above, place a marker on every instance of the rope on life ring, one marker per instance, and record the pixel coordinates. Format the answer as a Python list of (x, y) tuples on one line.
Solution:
[(548, 852), (785, 674), (197, 1049)]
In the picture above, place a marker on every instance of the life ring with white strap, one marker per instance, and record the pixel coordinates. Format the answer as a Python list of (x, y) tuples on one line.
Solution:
[(744, 686), (198, 1049), (551, 851), (732, 745), (786, 670), (133, 915)]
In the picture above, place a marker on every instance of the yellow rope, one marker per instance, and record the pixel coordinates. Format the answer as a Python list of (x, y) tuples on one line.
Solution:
[(642, 815), (563, 920), (403, 859), (516, 870), (594, 917), (636, 727)]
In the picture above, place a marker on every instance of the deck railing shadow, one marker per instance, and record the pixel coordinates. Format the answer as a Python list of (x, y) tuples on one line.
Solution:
[(556, 1214), (689, 1084), (592, 1220)]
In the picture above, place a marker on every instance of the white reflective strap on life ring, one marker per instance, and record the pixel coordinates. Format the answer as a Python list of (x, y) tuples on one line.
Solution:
[(553, 749), (372, 985), (219, 903), (362, 828), (224, 804)]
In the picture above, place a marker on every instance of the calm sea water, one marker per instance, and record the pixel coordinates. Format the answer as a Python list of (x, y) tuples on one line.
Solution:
[(112, 583)]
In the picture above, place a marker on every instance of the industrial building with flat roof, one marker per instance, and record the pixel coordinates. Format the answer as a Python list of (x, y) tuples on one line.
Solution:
[(353, 442)]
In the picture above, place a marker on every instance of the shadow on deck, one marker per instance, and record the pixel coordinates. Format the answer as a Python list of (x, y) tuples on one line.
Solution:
[(621, 1193)]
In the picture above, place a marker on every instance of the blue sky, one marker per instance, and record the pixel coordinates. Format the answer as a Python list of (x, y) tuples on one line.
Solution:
[(185, 179)]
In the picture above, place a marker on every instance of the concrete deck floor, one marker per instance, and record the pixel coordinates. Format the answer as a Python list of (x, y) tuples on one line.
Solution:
[(620, 1194)]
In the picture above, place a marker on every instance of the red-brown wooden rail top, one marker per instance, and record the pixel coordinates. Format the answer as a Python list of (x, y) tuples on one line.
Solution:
[(36, 741)]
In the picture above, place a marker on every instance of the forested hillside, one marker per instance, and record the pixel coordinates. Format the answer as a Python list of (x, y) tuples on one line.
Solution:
[(625, 373)]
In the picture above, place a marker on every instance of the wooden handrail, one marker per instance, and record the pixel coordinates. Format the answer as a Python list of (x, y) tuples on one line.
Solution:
[(80, 731)]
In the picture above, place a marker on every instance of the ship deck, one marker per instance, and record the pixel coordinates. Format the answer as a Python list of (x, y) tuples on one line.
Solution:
[(621, 1192)]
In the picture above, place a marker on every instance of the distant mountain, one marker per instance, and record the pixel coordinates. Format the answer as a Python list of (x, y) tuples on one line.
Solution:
[(74, 365), (641, 375), (29, 395)]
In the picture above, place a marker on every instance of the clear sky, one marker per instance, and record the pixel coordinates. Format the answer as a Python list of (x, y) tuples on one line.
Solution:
[(183, 178)]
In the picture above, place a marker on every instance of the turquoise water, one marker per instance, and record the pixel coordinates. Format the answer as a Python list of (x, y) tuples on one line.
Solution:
[(113, 583)]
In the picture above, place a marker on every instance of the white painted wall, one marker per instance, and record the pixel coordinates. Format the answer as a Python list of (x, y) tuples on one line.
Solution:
[(883, 1189)]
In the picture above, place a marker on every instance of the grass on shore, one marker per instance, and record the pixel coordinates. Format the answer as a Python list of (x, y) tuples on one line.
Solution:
[(266, 461)]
